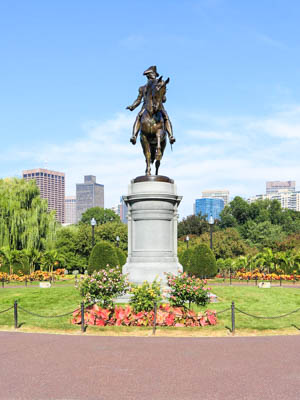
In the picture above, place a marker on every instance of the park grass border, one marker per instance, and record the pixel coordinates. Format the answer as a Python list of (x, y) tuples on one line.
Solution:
[(170, 332), (220, 330)]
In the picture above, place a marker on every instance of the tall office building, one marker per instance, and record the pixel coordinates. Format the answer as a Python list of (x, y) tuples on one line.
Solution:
[(208, 207), (275, 186), (52, 188), (88, 194), (70, 210), (217, 194), (287, 199), (123, 211)]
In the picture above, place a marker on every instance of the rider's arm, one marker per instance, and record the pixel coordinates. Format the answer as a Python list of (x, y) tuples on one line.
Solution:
[(138, 100)]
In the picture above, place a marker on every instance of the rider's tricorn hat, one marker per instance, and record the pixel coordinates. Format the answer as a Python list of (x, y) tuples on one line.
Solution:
[(151, 69)]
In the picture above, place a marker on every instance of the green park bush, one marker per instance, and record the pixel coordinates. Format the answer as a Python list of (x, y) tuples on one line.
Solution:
[(121, 256), (103, 254), (201, 262), (184, 257), (143, 296)]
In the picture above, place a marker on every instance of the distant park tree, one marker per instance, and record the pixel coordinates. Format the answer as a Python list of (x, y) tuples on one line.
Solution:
[(25, 222), (193, 225), (101, 215)]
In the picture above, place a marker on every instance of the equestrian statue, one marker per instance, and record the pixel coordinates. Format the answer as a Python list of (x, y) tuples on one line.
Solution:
[(152, 121)]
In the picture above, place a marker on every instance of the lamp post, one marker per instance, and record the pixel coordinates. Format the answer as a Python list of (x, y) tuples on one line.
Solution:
[(211, 222), (187, 241), (93, 224), (118, 241)]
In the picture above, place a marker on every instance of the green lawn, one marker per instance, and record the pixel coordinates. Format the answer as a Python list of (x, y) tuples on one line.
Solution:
[(59, 300)]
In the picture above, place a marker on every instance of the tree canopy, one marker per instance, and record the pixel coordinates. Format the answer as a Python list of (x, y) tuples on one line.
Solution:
[(262, 223), (74, 243), (101, 215), (25, 222), (193, 225)]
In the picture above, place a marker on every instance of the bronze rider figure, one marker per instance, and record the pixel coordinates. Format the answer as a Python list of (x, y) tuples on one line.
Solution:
[(151, 75)]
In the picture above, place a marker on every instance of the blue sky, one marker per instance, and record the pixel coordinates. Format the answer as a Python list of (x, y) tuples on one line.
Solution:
[(69, 69)]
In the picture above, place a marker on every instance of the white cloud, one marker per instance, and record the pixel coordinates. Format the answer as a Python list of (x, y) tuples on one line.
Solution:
[(269, 41), (238, 154)]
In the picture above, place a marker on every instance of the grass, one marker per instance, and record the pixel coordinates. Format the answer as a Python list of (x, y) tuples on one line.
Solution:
[(59, 300)]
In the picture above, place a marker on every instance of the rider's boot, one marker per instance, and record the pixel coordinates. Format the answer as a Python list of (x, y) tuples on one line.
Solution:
[(135, 130), (169, 130)]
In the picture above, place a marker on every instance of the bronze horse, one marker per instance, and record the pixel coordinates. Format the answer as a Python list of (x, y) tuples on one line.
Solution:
[(152, 131)]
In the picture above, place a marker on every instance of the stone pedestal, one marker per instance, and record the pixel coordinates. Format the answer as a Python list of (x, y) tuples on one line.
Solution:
[(152, 228)]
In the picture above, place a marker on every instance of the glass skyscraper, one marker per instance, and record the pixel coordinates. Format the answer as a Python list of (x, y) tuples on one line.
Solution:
[(208, 207)]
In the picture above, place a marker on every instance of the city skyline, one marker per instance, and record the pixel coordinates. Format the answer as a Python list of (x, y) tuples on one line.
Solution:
[(233, 96), (279, 191)]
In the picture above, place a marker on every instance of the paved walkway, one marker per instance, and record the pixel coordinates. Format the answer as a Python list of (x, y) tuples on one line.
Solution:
[(44, 366)]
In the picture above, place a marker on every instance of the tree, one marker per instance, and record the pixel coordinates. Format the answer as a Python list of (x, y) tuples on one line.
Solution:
[(101, 215), (110, 231), (34, 258), (202, 262), (185, 257), (121, 256), (103, 255), (227, 243), (51, 260), (262, 234), (13, 261), (240, 210), (25, 222), (193, 225), (75, 242)]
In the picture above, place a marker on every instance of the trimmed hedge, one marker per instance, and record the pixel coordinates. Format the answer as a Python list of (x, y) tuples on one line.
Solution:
[(103, 254), (121, 256), (201, 262), (185, 257)]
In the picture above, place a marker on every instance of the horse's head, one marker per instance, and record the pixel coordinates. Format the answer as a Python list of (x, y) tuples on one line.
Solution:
[(155, 94), (159, 93)]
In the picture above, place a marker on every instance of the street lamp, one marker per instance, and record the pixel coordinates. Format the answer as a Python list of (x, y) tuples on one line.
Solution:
[(118, 241), (93, 224), (211, 222), (187, 241)]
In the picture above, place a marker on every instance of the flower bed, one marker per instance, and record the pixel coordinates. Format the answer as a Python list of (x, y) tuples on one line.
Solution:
[(166, 316), (262, 276), (35, 276)]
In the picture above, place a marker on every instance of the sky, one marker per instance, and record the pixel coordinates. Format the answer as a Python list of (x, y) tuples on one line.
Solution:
[(69, 68)]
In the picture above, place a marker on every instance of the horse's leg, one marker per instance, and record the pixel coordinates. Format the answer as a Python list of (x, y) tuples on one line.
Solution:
[(158, 147), (147, 153), (163, 143), (157, 164)]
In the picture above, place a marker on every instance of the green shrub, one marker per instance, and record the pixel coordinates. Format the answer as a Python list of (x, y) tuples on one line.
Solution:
[(4, 268), (185, 289), (185, 258), (103, 254), (22, 269), (144, 296), (121, 256), (103, 286), (202, 262)]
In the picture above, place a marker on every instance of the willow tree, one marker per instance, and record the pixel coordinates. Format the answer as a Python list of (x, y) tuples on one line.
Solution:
[(25, 222)]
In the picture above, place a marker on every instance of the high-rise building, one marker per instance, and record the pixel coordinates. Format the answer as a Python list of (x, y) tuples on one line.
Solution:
[(275, 186), (209, 207), (217, 194), (287, 199), (88, 194), (123, 211), (283, 191), (70, 210), (52, 188)]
